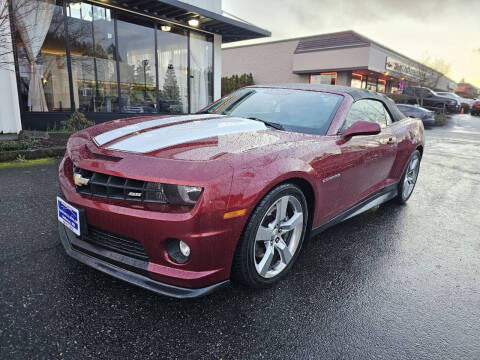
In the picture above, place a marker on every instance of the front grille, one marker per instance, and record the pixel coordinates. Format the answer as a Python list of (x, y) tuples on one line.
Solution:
[(123, 245), (114, 187)]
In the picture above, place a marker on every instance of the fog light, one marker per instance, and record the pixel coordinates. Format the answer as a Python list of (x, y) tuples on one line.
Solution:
[(178, 250), (184, 249)]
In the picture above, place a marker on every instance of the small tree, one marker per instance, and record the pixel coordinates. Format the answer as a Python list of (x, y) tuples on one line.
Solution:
[(76, 122), (8, 14), (441, 68), (171, 90), (5, 36)]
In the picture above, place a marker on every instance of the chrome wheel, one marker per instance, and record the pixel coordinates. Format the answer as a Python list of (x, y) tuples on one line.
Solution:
[(278, 236), (411, 176)]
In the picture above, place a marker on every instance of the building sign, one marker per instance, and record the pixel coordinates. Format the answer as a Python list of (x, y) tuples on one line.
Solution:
[(403, 68), (463, 88)]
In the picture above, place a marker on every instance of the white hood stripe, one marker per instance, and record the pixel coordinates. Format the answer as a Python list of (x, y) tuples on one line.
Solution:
[(187, 132), (112, 135)]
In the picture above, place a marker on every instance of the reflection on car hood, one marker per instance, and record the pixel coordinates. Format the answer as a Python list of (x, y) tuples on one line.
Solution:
[(190, 137)]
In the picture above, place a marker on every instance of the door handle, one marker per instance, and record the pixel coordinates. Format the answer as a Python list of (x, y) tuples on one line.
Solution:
[(390, 141)]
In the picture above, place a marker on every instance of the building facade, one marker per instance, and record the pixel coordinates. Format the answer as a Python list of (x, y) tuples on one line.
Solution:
[(344, 58), (467, 90), (111, 59)]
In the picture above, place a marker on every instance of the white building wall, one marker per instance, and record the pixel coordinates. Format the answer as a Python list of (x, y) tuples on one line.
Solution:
[(210, 5), (9, 106), (378, 59), (269, 63), (327, 60)]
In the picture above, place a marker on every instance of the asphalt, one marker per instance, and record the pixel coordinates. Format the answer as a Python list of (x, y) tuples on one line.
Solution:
[(398, 282)]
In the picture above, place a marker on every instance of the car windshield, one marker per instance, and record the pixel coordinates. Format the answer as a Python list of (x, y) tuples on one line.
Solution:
[(292, 110)]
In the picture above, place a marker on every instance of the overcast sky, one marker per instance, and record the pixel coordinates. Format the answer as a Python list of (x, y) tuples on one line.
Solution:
[(446, 29)]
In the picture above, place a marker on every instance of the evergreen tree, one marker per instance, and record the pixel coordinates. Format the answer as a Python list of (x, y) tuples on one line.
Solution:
[(235, 82), (171, 91)]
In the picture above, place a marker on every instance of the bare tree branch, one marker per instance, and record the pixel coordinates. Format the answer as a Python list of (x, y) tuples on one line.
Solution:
[(12, 12)]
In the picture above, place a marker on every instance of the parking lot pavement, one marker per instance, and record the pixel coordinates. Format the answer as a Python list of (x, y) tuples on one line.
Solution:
[(398, 282)]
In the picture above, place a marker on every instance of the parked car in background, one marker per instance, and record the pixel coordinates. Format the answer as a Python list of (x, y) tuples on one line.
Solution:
[(431, 100), (414, 111), (454, 96), (475, 110), (181, 204)]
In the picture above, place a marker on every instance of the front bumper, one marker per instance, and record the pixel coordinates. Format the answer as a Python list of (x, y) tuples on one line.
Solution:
[(118, 266), (453, 108)]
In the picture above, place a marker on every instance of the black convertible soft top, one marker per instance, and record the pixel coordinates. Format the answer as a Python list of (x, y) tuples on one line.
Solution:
[(355, 93)]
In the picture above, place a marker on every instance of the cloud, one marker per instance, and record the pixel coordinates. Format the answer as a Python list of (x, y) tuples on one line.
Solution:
[(445, 29)]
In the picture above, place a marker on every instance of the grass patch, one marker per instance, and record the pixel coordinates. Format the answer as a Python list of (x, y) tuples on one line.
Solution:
[(59, 131), (12, 145), (20, 162)]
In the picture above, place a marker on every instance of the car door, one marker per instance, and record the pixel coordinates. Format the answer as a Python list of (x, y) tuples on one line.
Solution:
[(367, 159), (428, 99)]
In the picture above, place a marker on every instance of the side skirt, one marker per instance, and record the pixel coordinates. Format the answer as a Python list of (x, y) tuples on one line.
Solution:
[(380, 197)]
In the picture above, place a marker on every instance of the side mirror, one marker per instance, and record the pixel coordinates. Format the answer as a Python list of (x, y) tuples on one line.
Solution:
[(361, 128)]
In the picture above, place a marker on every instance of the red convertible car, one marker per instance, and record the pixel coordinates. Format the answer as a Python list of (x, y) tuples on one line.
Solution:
[(182, 204)]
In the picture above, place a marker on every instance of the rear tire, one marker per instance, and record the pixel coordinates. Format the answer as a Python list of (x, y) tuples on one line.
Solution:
[(272, 238), (409, 178)]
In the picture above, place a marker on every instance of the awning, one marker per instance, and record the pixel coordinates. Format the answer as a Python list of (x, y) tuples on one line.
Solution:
[(231, 29)]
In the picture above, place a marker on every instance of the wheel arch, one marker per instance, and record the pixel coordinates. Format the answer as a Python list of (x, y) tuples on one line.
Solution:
[(305, 187), (420, 149), (307, 190)]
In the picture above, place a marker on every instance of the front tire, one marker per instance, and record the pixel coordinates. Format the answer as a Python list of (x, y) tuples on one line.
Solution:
[(272, 238), (409, 178)]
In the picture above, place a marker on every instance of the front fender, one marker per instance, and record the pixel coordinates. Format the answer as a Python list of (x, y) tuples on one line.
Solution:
[(251, 184)]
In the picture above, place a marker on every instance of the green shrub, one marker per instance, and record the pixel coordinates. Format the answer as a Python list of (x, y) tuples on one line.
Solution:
[(440, 119), (12, 145), (466, 108), (235, 82), (76, 122), (399, 98)]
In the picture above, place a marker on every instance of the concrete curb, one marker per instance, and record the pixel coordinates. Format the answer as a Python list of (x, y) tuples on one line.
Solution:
[(32, 154)]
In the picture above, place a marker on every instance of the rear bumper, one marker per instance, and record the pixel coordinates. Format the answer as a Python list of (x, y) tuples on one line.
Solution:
[(125, 268)]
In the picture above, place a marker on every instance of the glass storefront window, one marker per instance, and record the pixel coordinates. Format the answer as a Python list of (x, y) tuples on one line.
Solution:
[(381, 86), (356, 82), (136, 49), (93, 55), (371, 83), (105, 60), (201, 71), (41, 54), (324, 78), (114, 67), (172, 69)]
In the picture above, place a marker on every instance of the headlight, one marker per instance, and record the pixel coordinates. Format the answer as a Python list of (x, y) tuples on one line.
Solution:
[(172, 194)]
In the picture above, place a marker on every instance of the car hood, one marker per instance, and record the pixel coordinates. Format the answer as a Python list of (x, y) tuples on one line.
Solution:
[(191, 137), (447, 98)]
